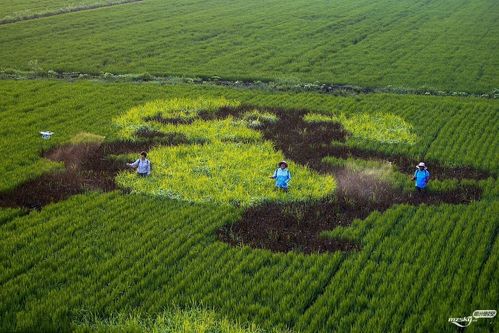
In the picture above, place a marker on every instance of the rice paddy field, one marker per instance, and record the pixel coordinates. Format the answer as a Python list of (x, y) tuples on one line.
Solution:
[(446, 45), (206, 243)]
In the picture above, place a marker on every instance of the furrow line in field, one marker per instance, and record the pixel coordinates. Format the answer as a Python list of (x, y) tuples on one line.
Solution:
[(64, 10)]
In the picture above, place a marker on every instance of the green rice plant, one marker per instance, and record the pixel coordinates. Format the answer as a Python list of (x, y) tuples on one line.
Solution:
[(233, 173), (467, 136), (373, 44), (7, 214), (29, 9), (109, 253)]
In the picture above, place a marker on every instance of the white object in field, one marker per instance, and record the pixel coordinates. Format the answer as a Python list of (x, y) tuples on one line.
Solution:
[(46, 134)]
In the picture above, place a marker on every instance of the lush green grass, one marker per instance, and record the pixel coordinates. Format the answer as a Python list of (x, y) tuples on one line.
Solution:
[(447, 44), (111, 253)]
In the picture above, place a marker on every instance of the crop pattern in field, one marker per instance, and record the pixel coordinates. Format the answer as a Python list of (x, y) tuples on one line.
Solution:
[(106, 253)]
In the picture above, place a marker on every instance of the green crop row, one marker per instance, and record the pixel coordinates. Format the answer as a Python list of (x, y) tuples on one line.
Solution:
[(421, 264), (439, 45), (154, 260), (20, 8), (108, 253), (454, 135)]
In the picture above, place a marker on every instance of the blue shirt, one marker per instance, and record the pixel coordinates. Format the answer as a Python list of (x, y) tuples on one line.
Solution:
[(422, 177), (143, 166), (282, 177)]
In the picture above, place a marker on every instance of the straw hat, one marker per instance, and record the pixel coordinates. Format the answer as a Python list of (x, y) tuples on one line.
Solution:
[(281, 163)]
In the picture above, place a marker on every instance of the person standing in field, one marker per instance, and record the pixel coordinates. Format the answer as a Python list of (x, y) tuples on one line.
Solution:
[(282, 176), (421, 176), (143, 165)]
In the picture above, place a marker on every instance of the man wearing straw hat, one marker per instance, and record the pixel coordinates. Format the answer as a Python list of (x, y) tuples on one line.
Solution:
[(282, 176), (421, 176)]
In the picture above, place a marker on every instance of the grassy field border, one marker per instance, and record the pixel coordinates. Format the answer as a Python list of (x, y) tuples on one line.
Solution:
[(262, 84)]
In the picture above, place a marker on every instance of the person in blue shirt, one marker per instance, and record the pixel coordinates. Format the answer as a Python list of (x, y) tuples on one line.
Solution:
[(143, 165), (282, 176), (421, 176)]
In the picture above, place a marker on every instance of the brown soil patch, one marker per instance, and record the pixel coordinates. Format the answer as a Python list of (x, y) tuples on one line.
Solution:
[(288, 227), (298, 226), (88, 167)]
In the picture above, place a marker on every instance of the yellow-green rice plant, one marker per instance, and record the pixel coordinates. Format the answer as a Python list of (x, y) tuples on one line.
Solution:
[(173, 109), (256, 118), (212, 130), (233, 173), (382, 127), (85, 137), (378, 168), (195, 320), (228, 167), (319, 118)]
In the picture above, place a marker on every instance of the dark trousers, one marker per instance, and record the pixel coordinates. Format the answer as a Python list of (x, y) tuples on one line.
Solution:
[(142, 174)]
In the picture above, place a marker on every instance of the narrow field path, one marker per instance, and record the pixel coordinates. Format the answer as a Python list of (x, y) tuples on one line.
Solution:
[(337, 89)]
